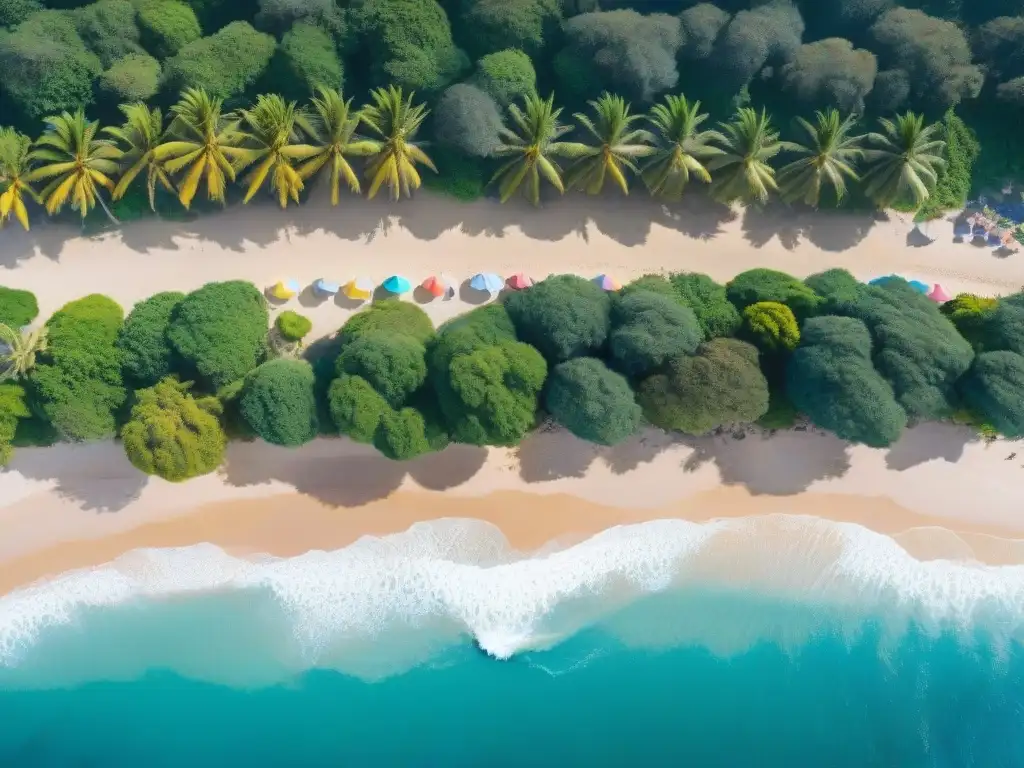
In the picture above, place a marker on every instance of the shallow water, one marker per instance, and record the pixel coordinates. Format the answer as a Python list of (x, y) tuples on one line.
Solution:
[(799, 643)]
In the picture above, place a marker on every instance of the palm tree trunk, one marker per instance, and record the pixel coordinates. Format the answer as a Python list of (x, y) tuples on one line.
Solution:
[(107, 210)]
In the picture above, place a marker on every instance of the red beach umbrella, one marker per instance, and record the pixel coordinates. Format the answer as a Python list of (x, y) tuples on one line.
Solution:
[(436, 286), (519, 281)]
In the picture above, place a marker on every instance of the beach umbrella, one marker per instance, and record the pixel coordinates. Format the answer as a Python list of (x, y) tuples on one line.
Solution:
[(519, 281), (486, 281), (918, 286), (397, 284), (284, 290), (438, 285), (326, 287), (938, 294), (360, 288), (608, 282)]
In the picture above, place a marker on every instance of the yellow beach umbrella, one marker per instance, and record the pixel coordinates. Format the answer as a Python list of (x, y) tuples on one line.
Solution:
[(284, 290), (360, 288)]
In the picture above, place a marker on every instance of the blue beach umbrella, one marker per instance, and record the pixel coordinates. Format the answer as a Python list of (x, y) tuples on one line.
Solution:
[(920, 287), (486, 281), (326, 287), (397, 284)]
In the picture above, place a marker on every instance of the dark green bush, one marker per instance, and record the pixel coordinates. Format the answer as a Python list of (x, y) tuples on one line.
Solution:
[(709, 302), (292, 326), (592, 401), (463, 178), (225, 63), (972, 315), (722, 384), (135, 77), (17, 307), (172, 434), (166, 26), (13, 409), (564, 316), (13, 12), (402, 435), (394, 365), (757, 285), (506, 76), (391, 316), (277, 401), (993, 388), (835, 287), (356, 407), (108, 29), (220, 330), (652, 284), (146, 353), (494, 25), (77, 382), (306, 57), (468, 120), (649, 329)]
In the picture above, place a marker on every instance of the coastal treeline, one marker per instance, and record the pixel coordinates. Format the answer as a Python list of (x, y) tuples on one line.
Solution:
[(184, 373), (805, 98)]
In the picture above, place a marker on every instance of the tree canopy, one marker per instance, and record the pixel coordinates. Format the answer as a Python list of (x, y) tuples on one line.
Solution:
[(146, 352), (993, 388), (757, 285), (564, 316), (592, 401), (648, 329), (278, 402), (225, 63), (468, 120), (17, 307)]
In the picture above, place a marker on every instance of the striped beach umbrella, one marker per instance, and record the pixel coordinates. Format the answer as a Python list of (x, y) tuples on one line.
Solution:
[(397, 284), (360, 288), (608, 283)]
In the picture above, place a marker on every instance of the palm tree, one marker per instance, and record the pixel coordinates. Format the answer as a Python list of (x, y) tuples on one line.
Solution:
[(18, 350), (533, 143), (829, 158), (14, 168), (394, 118), (618, 143), (205, 142), (681, 149), (271, 133), (75, 162), (748, 144), (138, 140), (905, 158), (332, 128)]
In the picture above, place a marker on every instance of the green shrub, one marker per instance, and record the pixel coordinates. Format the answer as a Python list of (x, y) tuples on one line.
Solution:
[(172, 434), (658, 284), (648, 329), (292, 326), (756, 285), (391, 316), (709, 302), (278, 402), (47, 68), (167, 26), (564, 316), (831, 379), (771, 326), (225, 63), (463, 178), (954, 183), (108, 29), (971, 315), (722, 384), (220, 330), (592, 401), (13, 12), (146, 353), (402, 435), (306, 57), (356, 407), (17, 308), (77, 381), (135, 77), (993, 388), (394, 365), (835, 287), (506, 76), (13, 409), (781, 413), (501, 24)]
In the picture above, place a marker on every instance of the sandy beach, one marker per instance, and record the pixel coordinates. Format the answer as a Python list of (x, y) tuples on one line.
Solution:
[(940, 492)]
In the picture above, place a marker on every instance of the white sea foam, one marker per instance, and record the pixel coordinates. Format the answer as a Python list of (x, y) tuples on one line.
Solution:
[(385, 604)]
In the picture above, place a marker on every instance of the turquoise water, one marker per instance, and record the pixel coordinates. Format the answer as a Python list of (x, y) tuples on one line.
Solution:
[(648, 658)]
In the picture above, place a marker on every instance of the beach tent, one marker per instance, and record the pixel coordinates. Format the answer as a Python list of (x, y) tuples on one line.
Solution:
[(519, 281), (918, 286), (438, 285), (607, 282), (397, 284), (360, 288), (486, 281), (284, 290), (326, 287), (938, 294)]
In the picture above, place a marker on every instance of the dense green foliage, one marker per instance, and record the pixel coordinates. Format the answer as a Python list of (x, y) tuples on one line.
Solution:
[(146, 353), (77, 382), (758, 285), (220, 331), (592, 401), (972, 316), (277, 401), (166, 26), (225, 63), (133, 77), (173, 434), (722, 384), (292, 326), (710, 303), (832, 381), (506, 76), (771, 326), (564, 317), (389, 316), (307, 57), (13, 408), (17, 307), (993, 389), (648, 329)]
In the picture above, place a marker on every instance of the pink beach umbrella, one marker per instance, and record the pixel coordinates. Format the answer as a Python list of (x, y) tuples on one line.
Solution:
[(608, 283), (519, 281), (938, 294)]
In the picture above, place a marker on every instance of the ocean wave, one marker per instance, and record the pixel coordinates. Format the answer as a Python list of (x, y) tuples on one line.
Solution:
[(384, 605)]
